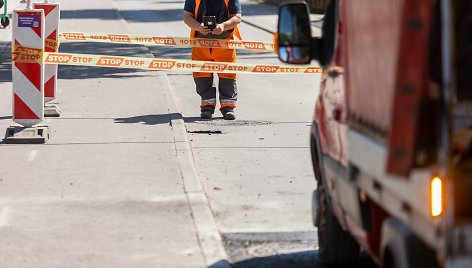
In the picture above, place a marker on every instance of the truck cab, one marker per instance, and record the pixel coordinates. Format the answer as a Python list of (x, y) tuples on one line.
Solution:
[(392, 129)]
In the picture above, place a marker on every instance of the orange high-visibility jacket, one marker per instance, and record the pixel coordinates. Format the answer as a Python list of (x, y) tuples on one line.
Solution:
[(235, 31)]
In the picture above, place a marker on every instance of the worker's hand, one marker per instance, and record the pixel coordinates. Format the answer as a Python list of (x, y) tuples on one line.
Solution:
[(203, 29), (219, 29)]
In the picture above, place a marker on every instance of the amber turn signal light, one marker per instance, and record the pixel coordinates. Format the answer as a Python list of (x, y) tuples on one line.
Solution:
[(436, 196)]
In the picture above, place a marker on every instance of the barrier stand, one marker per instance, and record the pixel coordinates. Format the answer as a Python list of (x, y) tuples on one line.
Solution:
[(5, 21), (27, 76), (52, 14)]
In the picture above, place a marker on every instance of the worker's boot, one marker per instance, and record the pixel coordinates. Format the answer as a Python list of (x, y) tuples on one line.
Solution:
[(207, 111), (228, 113)]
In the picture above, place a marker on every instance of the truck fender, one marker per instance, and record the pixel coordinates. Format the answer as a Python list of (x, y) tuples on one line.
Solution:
[(318, 168), (316, 154)]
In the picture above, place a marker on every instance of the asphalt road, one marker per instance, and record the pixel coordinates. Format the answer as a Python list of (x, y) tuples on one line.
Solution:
[(256, 171), (115, 169)]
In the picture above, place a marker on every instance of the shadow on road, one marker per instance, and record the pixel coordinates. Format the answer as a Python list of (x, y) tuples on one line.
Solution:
[(152, 15), (5, 62), (304, 259), (157, 119), (180, 53), (251, 9), (151, 119), (83, 72), (144, 15)]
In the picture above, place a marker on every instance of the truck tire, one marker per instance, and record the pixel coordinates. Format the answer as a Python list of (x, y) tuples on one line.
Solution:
[(336, 246)]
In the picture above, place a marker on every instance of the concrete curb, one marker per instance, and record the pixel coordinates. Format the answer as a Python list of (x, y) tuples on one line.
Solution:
[(211, 243), (210, 239)]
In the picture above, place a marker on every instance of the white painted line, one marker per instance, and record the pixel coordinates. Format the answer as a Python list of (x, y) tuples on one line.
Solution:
[(4, 216), (32, 155), (169, 198)]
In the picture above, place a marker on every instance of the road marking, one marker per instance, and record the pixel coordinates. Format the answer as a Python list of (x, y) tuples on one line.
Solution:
[(169, 198), (4, 216), (32, 155)]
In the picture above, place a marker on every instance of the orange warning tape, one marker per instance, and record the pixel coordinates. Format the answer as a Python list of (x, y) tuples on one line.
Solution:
[(51, 44), (26, 54), (172, 65), (166, 41)]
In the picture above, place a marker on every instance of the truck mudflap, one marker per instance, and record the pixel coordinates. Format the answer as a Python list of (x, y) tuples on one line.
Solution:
[(401, 248), (459, 248), (459, 262), (315, 208)]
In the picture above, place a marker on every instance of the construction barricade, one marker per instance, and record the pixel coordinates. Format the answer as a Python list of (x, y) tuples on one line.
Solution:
[(51, 13), (28, 76), (35, 58)]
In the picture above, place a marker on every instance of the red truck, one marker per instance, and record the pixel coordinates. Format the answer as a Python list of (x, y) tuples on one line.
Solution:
[(392, 130)]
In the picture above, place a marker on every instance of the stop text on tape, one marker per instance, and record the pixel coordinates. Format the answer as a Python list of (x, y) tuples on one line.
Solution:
[(166, 41), (51, 44), (173, 65), (26, 54)]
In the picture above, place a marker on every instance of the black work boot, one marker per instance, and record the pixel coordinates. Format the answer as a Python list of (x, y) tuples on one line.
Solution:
[(207, 111), (228, 113)]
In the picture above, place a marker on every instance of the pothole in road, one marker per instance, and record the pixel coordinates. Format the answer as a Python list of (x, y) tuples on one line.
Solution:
[(209, 132), (213, 126), (279, 250), (221, 122), (246, 246)]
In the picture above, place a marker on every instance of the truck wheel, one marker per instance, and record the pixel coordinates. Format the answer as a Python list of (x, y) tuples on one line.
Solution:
[(336, 246)]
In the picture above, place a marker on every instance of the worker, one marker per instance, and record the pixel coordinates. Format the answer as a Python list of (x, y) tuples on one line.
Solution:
[(228, 16)]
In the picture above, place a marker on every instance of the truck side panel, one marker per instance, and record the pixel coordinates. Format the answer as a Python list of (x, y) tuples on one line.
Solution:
[(372, 30)]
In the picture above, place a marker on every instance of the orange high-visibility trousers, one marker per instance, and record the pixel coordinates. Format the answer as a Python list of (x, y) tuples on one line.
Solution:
[(214, 54)]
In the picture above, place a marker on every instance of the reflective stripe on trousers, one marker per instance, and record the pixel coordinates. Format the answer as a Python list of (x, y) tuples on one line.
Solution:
[(208, 102), (228, 93)]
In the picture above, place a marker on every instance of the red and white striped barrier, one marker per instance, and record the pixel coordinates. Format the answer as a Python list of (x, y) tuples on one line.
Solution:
[(28, 71), (52, 15)]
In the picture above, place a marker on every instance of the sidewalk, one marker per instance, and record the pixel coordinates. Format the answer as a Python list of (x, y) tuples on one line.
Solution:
[(112, 187)]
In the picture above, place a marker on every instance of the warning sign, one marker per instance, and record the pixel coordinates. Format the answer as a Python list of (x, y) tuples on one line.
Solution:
[(30, 21)]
